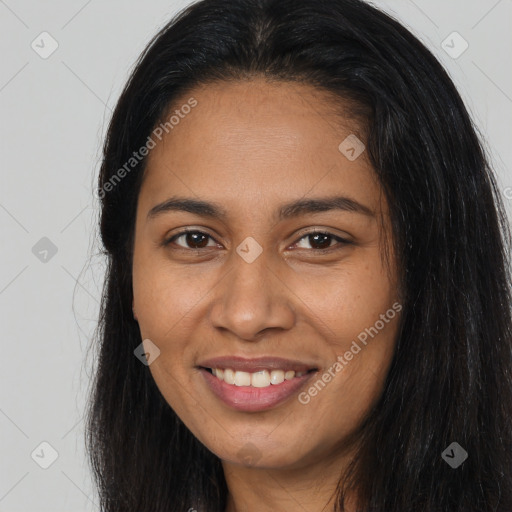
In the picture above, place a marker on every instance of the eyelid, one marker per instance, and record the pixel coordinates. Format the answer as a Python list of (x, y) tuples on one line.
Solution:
[(169, 239), (303, 234), (341, 240), (322, 231)]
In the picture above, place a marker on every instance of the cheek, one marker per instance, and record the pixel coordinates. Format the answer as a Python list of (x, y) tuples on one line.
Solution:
[(165, 296), (353, 309), (349, 300), (166, 299)]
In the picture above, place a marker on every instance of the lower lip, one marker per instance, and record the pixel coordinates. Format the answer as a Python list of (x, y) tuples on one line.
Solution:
[(251, 399)]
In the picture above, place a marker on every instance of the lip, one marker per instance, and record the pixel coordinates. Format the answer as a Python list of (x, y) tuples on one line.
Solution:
[(251, 399), (253, 365)]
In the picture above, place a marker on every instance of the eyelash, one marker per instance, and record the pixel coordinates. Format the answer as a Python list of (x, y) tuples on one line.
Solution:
[(341, 241)]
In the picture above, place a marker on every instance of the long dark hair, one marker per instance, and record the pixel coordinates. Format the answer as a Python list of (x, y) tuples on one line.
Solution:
[(451, 377)]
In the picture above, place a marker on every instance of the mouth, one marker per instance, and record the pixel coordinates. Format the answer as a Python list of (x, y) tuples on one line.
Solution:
[(253, 385), (259, 379)]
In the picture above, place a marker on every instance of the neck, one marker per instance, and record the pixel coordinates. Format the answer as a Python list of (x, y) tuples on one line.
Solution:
[(310, 487)]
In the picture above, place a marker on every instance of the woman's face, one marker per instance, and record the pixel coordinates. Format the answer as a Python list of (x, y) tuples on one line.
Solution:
[(254, 170)]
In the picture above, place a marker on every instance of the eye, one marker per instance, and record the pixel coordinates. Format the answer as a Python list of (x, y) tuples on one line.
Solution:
[(317, 240), (191, 240), (320, 241)]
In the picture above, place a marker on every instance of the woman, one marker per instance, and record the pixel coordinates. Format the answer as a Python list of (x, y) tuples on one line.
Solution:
[(307, 300)]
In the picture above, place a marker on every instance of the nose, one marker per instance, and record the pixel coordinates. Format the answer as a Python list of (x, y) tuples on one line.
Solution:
[(252, 299)]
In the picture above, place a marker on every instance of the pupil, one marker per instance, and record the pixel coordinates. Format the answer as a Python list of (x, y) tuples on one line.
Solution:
[(192, 239), (318, 240), (325, 240)]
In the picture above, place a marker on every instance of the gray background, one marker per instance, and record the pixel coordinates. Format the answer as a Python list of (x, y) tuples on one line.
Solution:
[(54, 113)]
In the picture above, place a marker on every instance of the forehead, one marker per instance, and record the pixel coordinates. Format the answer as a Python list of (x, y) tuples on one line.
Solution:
[(252, 112), (252, 139)]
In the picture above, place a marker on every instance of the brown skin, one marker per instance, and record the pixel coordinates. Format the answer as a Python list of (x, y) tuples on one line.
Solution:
[(250, 147)]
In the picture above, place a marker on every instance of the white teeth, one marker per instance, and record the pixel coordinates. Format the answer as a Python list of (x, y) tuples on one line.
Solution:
[(229, 376), (260, 379), (276, 376), (242, 379)]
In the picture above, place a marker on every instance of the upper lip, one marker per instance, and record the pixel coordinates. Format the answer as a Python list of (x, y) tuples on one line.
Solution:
[(257, 364)]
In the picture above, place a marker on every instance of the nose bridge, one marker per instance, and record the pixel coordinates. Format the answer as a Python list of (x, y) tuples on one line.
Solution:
[(250, 300)]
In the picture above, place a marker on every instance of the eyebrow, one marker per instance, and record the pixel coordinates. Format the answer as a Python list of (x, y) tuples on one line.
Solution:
[(286, 211)]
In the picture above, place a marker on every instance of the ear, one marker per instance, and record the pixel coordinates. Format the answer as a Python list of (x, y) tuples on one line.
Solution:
[(133, 309)]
